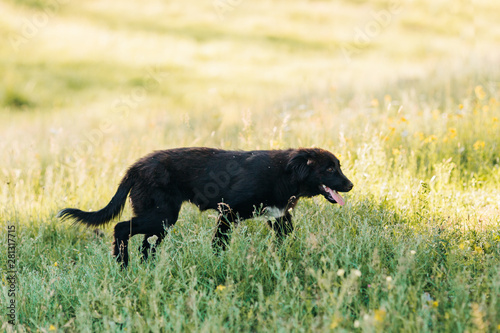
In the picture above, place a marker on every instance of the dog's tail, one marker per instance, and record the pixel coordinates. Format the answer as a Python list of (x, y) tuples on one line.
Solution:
[(112, 210)]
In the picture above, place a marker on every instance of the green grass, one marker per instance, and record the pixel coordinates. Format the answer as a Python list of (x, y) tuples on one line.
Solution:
[(413, 114)]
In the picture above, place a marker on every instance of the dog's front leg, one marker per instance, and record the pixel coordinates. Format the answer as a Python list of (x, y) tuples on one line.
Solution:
[(282, 226), (221, 235)]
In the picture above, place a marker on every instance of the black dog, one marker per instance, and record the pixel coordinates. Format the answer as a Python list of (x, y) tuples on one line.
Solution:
[(239, 184)]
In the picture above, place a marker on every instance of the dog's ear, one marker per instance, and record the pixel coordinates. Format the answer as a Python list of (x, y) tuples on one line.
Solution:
[(300, 162)]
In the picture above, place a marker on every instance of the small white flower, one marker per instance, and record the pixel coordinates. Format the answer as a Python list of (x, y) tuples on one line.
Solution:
[(413, 252), (340, 272), (152, 240), (388, 279), (356, 323), (356, 272)]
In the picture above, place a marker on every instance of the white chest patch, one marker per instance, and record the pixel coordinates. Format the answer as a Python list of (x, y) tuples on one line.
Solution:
[(274, 211)]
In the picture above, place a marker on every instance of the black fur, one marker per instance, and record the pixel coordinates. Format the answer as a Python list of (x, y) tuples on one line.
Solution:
[(238, 184)]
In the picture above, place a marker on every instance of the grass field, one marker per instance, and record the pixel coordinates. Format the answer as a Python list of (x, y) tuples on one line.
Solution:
[(405, 93)]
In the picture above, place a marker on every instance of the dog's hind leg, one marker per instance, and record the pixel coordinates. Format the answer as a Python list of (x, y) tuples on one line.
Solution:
[(149, 245), (152, 223), (120, 244)]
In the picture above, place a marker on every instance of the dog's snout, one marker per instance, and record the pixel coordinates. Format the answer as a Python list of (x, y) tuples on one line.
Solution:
[(350, 185)]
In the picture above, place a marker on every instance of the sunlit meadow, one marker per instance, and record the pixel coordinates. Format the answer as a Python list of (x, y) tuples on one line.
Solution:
[(405, 93)]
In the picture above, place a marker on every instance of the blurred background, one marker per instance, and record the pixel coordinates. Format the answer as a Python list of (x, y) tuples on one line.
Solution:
[(88, 87)]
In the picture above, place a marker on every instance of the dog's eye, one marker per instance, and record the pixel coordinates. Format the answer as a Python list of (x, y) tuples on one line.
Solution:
[(330, 169)]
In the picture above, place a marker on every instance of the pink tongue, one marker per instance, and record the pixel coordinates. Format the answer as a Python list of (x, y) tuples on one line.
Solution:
[(336, 196)]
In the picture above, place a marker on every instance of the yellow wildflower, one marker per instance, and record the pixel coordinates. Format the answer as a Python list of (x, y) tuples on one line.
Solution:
[(479, 144), (55, 264), (220, 288), (430, 138), (335, 322), (435, 113), (452, 132), (379, 315), (479, 92), (460, 106), (52, 328), (374, 102), (435, 304)]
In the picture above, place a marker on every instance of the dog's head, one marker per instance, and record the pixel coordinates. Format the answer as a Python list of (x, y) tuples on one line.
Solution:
[(317, 171)]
